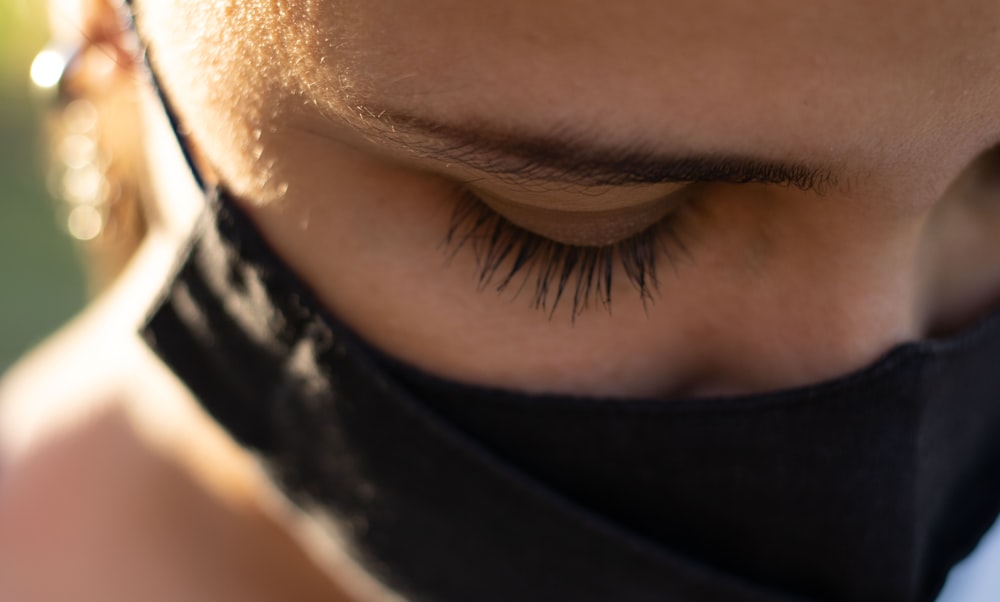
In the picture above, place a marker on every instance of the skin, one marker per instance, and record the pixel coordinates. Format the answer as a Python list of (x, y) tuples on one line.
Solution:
[(782, 287)]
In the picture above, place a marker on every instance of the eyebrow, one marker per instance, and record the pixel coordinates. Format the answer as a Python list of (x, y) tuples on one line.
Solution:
[(575, 159)]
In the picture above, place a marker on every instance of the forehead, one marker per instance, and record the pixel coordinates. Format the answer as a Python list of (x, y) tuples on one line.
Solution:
[(685, 70), (450, 47), (826, 79)]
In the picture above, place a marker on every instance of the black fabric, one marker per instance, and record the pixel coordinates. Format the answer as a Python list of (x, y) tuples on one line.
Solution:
[(866, 488)]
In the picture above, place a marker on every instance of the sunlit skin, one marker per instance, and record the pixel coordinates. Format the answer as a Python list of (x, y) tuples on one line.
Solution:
[(779, 286)]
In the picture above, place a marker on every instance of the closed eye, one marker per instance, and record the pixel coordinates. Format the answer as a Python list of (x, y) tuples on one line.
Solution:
[(511, 258)]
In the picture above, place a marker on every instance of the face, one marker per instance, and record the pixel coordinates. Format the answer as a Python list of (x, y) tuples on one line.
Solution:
[(673, 198)]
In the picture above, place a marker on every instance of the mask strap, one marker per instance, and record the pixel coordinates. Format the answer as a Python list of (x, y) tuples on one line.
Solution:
[(181, 134)]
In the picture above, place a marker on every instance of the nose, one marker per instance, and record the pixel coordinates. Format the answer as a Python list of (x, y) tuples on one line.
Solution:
[(816, 291)]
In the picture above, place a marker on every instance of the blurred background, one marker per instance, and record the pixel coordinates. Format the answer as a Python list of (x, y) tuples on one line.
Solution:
[(41, 285)]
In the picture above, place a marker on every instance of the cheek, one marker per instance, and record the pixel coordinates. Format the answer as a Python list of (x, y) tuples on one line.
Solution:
[(365, 233)]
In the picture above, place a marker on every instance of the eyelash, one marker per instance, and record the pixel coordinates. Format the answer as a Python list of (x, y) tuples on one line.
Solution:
[(505, 251)]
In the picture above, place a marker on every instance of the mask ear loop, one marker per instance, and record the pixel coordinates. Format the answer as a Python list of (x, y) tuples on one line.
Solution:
[(181, 134)]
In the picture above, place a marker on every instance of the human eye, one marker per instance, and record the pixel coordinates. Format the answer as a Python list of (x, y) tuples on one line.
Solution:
[(515, 259)]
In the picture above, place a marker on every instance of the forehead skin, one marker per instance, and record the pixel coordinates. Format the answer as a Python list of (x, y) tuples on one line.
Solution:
[(882, 85), (718, 75)]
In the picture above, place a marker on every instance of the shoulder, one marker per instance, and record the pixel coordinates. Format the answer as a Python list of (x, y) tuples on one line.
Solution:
[(76, 373), (97, 368), (114, 480)]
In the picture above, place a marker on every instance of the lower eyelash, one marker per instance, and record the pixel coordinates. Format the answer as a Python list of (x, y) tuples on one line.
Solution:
[(505, 251)]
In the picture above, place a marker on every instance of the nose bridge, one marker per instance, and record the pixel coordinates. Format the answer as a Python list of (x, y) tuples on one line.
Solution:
[(960, 240), (809, 331)]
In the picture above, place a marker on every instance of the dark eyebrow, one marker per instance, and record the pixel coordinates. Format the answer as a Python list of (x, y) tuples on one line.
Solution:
[(575, 159)]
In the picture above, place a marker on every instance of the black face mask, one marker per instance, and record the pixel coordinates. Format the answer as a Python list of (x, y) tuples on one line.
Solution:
[(868, 487)]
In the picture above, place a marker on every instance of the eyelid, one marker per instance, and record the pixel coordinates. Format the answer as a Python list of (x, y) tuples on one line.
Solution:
[(504, 252), (574, 198), (587, 223)]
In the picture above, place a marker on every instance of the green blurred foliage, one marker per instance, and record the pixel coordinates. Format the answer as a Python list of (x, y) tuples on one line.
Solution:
[(40, 282)]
